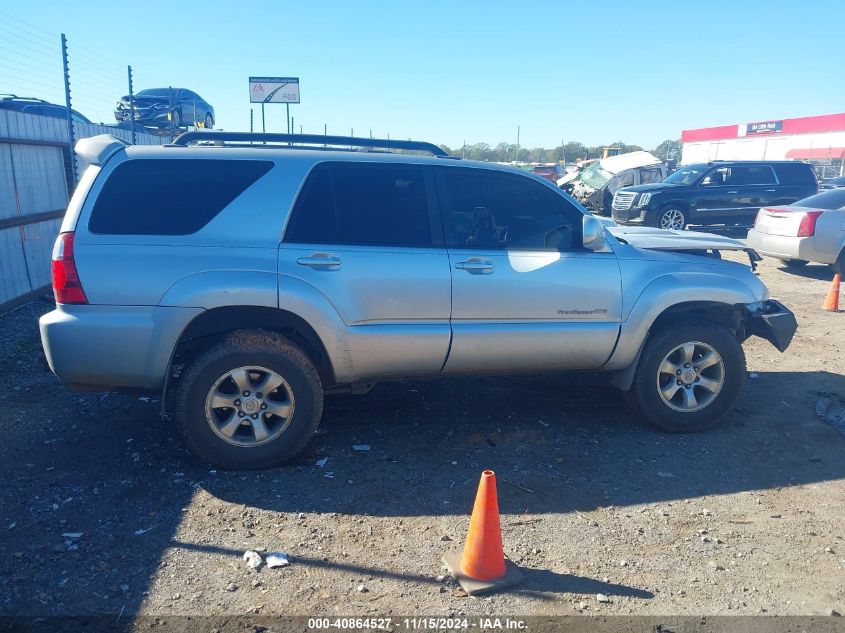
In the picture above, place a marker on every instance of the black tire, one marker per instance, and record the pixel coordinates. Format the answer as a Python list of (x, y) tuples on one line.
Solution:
[(645, 391), (795, 263), (239, 349), (839, 266), (209, 121), (664, 214), (176, 118)]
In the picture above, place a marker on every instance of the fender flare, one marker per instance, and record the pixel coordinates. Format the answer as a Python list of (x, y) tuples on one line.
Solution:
[(666, 292)]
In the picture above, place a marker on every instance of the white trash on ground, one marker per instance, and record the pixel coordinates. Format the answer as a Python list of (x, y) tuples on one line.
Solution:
[(253, 559), (277, 559)]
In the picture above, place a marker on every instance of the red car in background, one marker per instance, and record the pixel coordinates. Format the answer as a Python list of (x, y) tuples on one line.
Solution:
[(552, 172)]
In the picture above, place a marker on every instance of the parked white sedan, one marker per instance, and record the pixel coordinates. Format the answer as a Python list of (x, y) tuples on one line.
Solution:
[(810, 230)]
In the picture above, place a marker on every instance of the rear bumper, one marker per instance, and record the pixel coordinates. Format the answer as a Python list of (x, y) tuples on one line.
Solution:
[(776, 323), (112, 346), (787, 247)]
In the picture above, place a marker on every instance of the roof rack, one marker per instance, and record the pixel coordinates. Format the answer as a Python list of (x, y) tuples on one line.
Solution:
[(186, 138)]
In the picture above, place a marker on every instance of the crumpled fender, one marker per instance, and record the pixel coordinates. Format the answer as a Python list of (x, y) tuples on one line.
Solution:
[(670, 290)]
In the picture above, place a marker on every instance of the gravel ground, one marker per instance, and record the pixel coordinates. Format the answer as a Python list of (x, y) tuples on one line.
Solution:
[(104, 513)]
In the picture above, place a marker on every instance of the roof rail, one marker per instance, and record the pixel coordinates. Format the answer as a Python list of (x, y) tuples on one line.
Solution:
[(306, 139)]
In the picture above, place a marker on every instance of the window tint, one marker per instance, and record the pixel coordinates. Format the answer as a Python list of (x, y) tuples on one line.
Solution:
[(369, 204), (717, 177), (626, 179), (794, 173), (501, 211), (170, 197), (831, 199), (752, 175), (649, 175)]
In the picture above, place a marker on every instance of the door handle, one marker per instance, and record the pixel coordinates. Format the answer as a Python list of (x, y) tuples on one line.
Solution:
[(475, 266), (731, 192), (770, 190), (330, 262)]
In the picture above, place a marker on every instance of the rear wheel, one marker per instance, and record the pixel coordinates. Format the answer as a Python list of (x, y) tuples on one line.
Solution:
[(671, 218), (209, 121), (176, 118), (795, 263), (253, 401), (689, 377)]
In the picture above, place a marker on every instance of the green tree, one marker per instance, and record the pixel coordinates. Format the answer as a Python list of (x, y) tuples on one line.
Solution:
[(668, 150)]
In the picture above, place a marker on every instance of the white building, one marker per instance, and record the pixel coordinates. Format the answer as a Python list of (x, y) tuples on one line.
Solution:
[(817, 139)]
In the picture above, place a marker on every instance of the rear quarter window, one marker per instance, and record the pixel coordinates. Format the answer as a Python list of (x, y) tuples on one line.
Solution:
[(170, 196), (794, 174)]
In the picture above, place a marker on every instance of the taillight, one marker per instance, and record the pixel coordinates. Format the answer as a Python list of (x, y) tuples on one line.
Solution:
[(808, 223), (67, 288)]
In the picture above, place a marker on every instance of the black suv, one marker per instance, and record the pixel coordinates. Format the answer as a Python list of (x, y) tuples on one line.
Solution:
[(719, 192)]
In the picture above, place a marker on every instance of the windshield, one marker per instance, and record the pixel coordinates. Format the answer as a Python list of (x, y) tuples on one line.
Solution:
[(594, 176), (687, 175)]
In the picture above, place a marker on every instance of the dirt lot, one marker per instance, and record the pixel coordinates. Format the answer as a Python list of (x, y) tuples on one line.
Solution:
[(745, 519)]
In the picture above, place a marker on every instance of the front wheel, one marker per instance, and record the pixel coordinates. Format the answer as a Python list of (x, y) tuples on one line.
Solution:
[(253, 401), (689, 377), (209, 122), (176, 119), (671, 218)]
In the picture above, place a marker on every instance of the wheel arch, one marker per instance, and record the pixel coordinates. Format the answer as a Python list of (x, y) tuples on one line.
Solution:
[(729, 316), (212, 325)]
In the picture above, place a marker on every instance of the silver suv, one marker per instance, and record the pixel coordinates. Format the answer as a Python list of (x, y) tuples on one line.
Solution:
[(242, 277)]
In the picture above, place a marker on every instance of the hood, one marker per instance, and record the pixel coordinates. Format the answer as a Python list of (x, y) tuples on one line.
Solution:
[(653, 186), (669, 240)]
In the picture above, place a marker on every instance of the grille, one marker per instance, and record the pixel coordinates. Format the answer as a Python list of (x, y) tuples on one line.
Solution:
[(622, 200)]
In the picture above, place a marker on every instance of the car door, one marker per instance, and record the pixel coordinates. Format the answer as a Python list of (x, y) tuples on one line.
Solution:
[(525, 294), (189, 103), (756, 186), (361, 234), (716, 196)]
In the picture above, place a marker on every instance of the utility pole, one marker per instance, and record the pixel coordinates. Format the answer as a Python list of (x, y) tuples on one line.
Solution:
[(67, 104), (131, 105), (517, 143)]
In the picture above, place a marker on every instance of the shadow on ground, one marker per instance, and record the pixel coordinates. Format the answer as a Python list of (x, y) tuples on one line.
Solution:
[(94, 486)]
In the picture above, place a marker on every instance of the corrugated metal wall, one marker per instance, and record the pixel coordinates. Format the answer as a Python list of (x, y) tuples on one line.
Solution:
[(35, 167)]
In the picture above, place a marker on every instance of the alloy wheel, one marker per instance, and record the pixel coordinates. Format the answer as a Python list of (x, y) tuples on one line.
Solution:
[(249, 406), (690, 377), (672, 219)]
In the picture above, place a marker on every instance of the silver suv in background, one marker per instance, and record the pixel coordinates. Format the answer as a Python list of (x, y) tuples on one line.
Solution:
[(244, 281)]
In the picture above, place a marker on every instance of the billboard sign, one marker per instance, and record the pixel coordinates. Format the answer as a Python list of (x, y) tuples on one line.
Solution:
[(274, 89), (764, 127)]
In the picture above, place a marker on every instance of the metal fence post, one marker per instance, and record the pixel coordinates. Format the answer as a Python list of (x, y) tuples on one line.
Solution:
[(65, 69), (131, 105)]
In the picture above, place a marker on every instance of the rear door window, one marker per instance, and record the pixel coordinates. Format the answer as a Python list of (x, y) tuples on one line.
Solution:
[(752, 175), (650, 175), (794, 173), (366, 204), (170, 197)]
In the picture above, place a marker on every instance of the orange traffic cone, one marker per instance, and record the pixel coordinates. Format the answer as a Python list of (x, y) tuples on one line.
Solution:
[(831, 301), (482, 567)]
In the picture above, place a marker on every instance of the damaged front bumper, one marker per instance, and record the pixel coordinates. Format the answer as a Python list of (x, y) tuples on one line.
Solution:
[(774, 322)]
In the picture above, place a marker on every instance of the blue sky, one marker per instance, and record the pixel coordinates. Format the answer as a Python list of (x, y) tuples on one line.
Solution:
[(449, 71)]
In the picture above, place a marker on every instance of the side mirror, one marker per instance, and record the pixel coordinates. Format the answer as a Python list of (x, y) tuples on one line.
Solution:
[(593, 233)]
